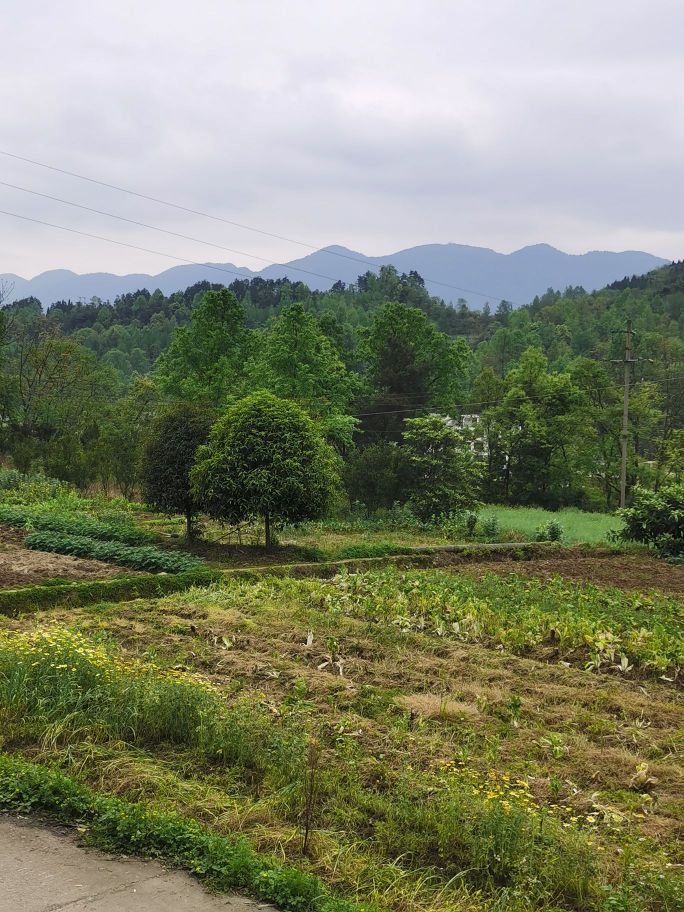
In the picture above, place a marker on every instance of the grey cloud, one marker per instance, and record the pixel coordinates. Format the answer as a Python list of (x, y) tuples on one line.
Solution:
[(377, 126)]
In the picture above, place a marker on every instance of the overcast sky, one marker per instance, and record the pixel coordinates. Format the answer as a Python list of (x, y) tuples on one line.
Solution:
[(377, 125)]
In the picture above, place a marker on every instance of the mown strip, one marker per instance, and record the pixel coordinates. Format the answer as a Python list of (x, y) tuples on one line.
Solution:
[(226, 864)]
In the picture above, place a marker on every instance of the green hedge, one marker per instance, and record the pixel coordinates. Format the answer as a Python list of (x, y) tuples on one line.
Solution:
[(31, 598), (141, 558), (85, 526), (226, 863)]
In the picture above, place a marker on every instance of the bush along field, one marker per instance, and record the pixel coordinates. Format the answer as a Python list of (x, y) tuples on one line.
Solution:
[(378, 741)]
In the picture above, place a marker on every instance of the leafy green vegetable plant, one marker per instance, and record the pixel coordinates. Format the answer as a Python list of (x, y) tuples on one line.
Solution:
[(141, 558)]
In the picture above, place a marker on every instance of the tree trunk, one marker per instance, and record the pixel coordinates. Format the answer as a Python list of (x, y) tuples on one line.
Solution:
[(189, 527), (267, 531)]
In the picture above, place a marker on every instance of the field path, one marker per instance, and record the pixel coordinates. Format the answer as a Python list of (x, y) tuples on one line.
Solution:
[(43, 870)]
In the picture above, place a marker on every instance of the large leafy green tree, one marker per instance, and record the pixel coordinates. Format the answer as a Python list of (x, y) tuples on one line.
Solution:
[(116, 452), (265, 458), (297, 361), (205, 360), (444, 473), (377, 475), (53, 393), (411, 365), (539, 433), (168, 457)]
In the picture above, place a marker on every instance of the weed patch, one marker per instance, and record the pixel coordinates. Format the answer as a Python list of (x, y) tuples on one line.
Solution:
[(58, 684)]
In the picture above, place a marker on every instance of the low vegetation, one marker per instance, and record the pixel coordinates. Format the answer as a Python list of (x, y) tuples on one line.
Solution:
[(72, 523), (336, 738), (141, 558), (123, 826), (412, 740), (399, 527), (606, 629)]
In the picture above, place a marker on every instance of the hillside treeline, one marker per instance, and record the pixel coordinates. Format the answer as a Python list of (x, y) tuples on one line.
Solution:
[(540, 386)]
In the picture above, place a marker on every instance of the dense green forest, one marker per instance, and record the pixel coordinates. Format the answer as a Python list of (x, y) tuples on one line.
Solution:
[(80, 383)]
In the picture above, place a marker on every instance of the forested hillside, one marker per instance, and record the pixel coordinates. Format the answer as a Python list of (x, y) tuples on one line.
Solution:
[(369, 362)]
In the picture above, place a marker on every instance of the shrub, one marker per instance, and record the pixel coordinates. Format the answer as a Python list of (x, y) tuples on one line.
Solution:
[(550, 531), (143, 558), (26, 489), (656, 518), (490, 527), (10, 479), (370, 549)]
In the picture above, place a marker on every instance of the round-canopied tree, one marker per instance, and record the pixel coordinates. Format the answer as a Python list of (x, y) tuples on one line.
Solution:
[(444, 474), (169, 455), (265, 458)]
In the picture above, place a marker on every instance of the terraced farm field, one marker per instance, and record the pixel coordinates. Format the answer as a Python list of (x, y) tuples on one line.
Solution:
[(482, 737), (21, 567)]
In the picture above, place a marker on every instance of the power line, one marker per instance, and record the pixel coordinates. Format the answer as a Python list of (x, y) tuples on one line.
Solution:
[(240, 225), (100, 237), (171, 256), (417, 408), (184, 237)]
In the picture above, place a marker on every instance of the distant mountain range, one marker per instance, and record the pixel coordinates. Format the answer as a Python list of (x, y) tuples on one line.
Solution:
[(451, 271)]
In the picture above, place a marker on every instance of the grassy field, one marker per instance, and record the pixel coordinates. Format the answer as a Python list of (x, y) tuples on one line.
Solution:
[(578, 526), (511, 524), (389, 740)]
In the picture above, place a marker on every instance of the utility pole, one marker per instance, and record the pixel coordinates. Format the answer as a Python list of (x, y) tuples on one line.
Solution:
[(628, 360)]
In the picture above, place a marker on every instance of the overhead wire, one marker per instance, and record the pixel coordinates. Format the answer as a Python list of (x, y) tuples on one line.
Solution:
[(471, 405), (242, 276), (242, 226), (184, 237), (100, 237)]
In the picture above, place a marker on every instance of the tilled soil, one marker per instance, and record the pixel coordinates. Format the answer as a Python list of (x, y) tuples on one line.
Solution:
[(21, 567), (624, 571)]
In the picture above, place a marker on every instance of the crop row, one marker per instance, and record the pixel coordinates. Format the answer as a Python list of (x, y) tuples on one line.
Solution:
[(140, 558), (87, 526), (605, 629)]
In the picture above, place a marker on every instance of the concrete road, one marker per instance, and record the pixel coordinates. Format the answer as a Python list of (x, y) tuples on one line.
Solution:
[(43, 870)]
